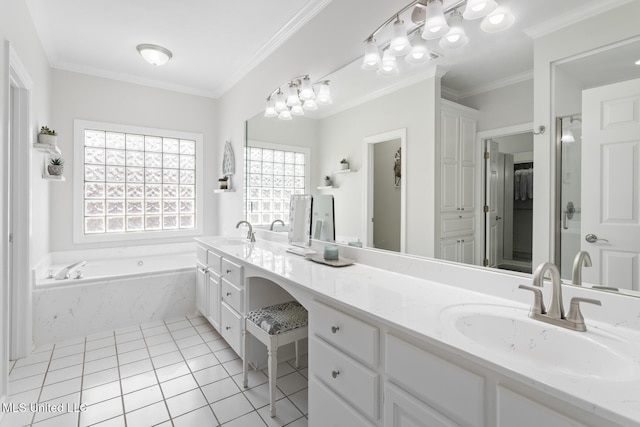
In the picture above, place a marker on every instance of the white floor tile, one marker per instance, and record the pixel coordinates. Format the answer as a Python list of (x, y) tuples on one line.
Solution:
[(60, 389), (252, 419), (138, 382), (199, 320), (286, 412), (113, 422), (133, 356), (226, 355), (159, 339), (136, 344), (233, 367), (100, 335), (48, 409), (180, 324), (101, 393), (292, 383), (186, 402), (217, 344), (59, 352), (141, 398), (135, 368), (170, 372), (16, 419), (259, 396), (154, 329), (181, 334), (24, 384), (101, 412), (255, 378), (99, 378), (28, 371), (59, 420), (148, 416), (127, 330), (108, 341), (220, 390), (167, 347), (188, 341), (199, 417), (178, 385), (133, 335), (33, 358), (100, 353), (300, 399), (300, 422), (231, 407), (63, 374), (202, 362), (100, 364), (210, 375), (195, 351), (65, 362), (167, 359)]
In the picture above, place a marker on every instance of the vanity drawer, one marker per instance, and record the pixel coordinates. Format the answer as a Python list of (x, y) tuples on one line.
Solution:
[(352, 335), (231, 327), (326, 409), (437, 382), (201, 254), (350, 379), (213, 261), (232, 272), (232, 295), (457, 225)]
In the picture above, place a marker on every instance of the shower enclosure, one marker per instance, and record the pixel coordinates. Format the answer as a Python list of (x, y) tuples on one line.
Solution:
[(568, 187)]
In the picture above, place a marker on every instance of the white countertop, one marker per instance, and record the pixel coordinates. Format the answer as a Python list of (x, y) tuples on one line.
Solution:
[(426, 309)]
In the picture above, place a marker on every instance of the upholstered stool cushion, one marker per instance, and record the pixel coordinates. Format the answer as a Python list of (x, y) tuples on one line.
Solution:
[(279, 318)]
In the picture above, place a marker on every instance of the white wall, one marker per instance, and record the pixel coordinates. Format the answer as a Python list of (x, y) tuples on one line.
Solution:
[(502, 107), (17, 28), (621, 23), (79, 96), (414, 108)]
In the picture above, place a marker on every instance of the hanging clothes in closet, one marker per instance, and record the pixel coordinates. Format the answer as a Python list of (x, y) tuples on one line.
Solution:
[(523, 181)]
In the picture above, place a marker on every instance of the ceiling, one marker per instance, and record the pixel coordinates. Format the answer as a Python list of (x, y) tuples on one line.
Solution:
[(215, 43)]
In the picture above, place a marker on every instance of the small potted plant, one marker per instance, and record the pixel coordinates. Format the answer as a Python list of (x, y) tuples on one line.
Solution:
[(47, 136), (56, 166), (344, 164), (327, 181), (223, 183)]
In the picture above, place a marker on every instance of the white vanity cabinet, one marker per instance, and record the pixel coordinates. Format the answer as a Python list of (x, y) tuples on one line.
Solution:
[(231, 303), (343, 366), (458, 249), (201, 289)]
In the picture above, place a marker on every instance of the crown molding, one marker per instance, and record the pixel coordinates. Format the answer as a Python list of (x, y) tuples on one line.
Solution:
[(299, 20), (561, 21), (507, 81)]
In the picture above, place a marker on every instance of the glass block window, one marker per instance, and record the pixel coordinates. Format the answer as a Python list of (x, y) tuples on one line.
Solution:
[(137, 183), (272, 176)]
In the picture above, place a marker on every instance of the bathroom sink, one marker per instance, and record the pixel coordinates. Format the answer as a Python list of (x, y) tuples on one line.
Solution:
[(500, 331)]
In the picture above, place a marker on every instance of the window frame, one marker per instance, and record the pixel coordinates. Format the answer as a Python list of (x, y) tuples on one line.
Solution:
[(79, 126), (281, 147)]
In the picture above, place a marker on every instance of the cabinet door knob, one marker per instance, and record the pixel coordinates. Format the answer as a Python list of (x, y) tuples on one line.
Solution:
[(335, 329), (335, 374), (228, 271), (228, 294), (228, 327)]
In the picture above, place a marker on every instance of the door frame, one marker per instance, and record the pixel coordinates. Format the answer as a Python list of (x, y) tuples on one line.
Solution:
[(481, 137), (367, 164), (20, 335)]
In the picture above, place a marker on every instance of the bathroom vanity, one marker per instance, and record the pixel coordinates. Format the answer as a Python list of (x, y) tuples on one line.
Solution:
[(396, 340)]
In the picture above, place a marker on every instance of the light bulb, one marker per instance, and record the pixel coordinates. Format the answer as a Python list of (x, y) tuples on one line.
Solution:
[(419, 52), (285, 115), (498, 20), (270, 110), (399, 44), (371, 60), (306, 90), (280, 104), (324, 94), (292, 97), (435, 25), (389, 65), (310, 105), (456, 37), (297, 110), (478, 8)]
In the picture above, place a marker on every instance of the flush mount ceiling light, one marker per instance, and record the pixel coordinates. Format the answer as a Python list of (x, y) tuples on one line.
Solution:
[(430, 22), (153, 54), (299, 96)]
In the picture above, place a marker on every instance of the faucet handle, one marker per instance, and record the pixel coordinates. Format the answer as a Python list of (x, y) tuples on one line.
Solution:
[(575, 315), (538, 302)]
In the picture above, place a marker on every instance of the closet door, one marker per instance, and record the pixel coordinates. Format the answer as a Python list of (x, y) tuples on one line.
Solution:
[(467, 164), (449, 154)]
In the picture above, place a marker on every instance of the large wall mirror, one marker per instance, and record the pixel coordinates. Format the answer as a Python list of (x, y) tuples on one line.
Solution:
[(491, 82)]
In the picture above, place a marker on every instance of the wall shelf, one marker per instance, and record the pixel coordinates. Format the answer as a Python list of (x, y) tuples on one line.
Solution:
[(53, 177), (326, 187), (47, 148), (345, 171)]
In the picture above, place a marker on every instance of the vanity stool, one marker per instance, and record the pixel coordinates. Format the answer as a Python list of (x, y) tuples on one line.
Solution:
[(274, 326)]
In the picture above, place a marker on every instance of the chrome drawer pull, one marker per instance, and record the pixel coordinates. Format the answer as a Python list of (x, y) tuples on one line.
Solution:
[(335, 374), (335, 329)]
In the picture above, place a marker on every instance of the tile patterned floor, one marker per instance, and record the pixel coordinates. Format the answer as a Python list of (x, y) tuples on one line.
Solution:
[(178, 372)]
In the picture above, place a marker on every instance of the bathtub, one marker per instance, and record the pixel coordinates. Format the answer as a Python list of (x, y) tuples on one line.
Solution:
[(119, 287)]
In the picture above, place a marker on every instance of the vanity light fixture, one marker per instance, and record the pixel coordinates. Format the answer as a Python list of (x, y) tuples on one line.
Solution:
[(637, 62), (431, 23), (567, 133), (153, 54), (297, 97)]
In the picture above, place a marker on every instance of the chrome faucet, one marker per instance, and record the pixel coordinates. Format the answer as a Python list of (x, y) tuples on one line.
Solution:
[(582, 257), (251, 236), (555, 315), (274, 223), (65, 273)]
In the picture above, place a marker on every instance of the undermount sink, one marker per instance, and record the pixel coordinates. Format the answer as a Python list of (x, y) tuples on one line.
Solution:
[(500, 331)]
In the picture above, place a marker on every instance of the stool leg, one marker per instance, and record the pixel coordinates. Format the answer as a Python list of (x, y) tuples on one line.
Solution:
[(297, 364), (273, 374), (245, 338)]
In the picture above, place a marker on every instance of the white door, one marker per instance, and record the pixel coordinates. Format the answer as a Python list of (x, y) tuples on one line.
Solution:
[(611, 184), (492, 238)]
